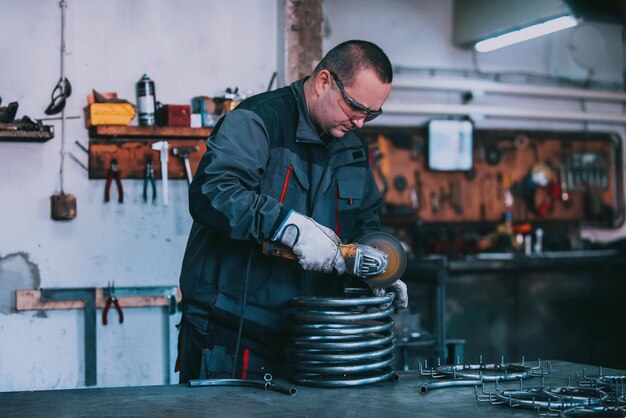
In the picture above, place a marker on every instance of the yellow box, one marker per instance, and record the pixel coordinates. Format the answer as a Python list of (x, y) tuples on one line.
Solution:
[(109, 114)]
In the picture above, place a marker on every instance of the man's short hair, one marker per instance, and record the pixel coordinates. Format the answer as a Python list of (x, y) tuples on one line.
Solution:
[(350, 57)]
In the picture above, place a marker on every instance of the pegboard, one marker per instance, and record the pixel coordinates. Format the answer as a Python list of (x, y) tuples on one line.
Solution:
[(585, 168)]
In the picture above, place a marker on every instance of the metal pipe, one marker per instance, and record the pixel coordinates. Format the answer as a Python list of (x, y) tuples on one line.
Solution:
[(502, 112), (326, 329), (341, 316), (291, 391), (333, 357), (231, 382), (461, 85), (367, 342), (313, 379), (426, 387), (341, 302), (323, 368)]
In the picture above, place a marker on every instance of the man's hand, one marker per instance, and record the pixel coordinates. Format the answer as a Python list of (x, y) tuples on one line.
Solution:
[(316, 246), (401, 300)]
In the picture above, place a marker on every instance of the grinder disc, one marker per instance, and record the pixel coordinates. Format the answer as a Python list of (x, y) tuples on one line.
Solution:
[(397, 257)]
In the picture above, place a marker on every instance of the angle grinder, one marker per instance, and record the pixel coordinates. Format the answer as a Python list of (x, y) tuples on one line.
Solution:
[(378, 258)]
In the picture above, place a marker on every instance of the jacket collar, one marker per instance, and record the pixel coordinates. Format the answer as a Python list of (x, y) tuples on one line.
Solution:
[(306, 132)]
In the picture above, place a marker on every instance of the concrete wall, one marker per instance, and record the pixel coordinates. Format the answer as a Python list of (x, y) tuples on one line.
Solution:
[(189, 48)]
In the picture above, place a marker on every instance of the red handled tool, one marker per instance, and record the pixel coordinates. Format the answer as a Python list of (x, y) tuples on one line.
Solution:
[(114, 173), (112, 300)]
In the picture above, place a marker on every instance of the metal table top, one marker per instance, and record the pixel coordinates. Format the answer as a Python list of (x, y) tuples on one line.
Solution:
[(387, 399)]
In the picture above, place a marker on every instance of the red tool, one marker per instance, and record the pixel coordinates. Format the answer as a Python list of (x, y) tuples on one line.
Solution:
[(553, 192), (112, 300), (114, 173)]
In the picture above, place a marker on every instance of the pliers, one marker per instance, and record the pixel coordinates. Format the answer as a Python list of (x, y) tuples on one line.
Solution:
[(114, 173), (149, 178), (112, 300)]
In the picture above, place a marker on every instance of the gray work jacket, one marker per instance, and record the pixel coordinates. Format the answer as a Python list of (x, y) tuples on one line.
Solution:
[(264, 159)]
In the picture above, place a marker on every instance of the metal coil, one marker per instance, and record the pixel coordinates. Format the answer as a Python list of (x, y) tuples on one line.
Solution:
[(342, 342)]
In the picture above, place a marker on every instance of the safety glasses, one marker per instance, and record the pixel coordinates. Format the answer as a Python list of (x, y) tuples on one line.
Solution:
[(363, 111), (61, 92)]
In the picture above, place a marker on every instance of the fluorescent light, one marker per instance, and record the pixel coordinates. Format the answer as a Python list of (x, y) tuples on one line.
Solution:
[(529, 32)]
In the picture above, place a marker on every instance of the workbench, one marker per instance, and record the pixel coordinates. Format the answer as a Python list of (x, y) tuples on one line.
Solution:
[(386, 399)]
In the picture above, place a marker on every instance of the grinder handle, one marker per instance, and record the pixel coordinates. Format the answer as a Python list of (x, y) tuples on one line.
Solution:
[(277, 249)]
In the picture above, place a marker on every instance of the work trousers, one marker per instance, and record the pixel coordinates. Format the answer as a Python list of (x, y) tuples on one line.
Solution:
[(210, 355)]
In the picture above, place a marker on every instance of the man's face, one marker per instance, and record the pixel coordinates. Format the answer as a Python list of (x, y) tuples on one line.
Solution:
[(343, 108)]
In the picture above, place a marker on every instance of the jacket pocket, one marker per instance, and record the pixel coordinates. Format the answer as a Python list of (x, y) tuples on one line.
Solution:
[(294, 187), (350, 189), (285, 179), (299, 173)]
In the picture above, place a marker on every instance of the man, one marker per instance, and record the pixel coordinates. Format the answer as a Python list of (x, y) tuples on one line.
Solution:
[(283, 166)]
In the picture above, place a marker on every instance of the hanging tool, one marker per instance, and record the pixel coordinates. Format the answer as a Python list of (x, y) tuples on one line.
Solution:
[(456, 197), (112, 300), (565, 196), (540, 176), (114, 173), (162, 147), (434, 202), (417, 191), (149, 178), (60, 93), (184, 152), (487, 185), (62, 205), (378, 258)]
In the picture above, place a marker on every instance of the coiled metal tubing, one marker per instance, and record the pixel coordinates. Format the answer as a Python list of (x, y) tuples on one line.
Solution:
[(339, 342)]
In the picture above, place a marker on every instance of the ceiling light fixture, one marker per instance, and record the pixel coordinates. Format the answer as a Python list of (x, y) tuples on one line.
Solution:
[(524, 34)]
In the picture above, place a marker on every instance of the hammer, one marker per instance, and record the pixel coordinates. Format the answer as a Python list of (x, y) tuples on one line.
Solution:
[(184, 152)]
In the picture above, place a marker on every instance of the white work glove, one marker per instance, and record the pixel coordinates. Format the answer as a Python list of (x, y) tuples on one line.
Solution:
[(398, 288), (316, 246)]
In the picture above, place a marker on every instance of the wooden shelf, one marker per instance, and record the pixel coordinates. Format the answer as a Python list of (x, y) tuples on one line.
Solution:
[(149, 132), (23, 139), (25, 132)]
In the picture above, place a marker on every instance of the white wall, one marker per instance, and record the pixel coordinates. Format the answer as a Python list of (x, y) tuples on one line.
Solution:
[(189, 48), (193, 47)]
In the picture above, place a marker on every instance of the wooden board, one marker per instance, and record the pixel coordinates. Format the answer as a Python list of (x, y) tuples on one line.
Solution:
[(132, 156), (31, 300)]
